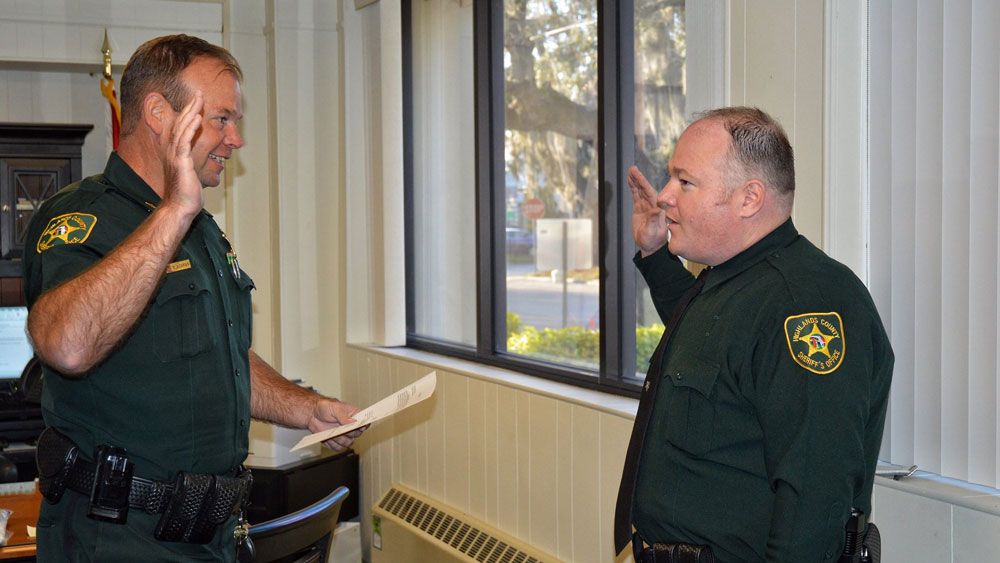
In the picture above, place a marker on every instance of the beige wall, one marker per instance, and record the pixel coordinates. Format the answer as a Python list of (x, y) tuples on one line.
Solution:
[(776, 63)]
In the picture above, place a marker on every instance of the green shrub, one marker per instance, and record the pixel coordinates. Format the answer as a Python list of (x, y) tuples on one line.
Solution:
[(646, 339), (574, 344), (513, 324)]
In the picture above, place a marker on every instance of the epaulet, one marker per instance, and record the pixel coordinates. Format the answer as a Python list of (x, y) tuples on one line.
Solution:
[(93, 186), (82, 192)]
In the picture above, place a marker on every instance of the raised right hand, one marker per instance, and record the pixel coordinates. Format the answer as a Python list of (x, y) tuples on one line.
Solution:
[(182, 187), (649, 222)]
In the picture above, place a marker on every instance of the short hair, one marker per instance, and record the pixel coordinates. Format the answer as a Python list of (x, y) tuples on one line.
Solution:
[(759, 145), (156, 67)]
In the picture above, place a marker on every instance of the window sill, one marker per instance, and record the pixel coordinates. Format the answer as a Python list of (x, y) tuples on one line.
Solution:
[(945, 489), (605, 402)]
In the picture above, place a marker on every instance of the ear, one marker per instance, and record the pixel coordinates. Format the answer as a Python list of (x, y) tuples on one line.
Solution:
[(754, 195), (156, 112)]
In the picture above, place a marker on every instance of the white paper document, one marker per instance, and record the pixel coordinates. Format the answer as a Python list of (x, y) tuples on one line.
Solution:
[(404, 398)]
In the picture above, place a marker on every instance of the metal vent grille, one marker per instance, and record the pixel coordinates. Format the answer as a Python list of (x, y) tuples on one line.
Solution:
[(477, 544)]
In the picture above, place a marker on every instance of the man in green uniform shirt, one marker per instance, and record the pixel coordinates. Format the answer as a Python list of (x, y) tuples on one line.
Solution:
[(767, 409), (141, 316)]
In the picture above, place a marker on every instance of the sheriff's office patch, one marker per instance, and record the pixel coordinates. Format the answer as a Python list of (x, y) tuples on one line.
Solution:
[(816, 341), (71, 228)]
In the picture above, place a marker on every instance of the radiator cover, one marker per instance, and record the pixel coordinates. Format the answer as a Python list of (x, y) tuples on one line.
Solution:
[(408, 527)]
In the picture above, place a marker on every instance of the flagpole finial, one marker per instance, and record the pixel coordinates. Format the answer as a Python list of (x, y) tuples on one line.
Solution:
[(106, 50)]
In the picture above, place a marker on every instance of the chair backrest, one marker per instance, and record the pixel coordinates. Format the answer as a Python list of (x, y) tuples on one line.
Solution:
[(304, 535)]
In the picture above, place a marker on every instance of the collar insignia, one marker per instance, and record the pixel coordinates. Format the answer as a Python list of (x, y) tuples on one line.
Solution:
[(71, 228), (816, 341)]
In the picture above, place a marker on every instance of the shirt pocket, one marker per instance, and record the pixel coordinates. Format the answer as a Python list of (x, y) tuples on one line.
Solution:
[(182, 316), (690, 416)]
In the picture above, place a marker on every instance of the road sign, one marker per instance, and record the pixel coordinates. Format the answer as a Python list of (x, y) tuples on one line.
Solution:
[(533, 208)]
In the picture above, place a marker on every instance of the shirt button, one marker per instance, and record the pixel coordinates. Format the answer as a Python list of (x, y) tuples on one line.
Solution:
[(220, 273), (191, 286), (230, 322), (237, 373), (243, 423)]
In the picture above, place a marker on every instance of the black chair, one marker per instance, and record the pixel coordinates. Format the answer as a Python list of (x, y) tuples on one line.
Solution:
[(303, 536)]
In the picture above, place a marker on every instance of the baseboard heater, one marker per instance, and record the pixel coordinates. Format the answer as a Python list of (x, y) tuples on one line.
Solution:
[(408, 527)]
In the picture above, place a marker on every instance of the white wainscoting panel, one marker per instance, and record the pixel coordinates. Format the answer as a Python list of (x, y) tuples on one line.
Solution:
[(538, 467)]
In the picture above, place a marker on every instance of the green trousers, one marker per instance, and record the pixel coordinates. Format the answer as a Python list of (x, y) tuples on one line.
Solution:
[(66, 534)]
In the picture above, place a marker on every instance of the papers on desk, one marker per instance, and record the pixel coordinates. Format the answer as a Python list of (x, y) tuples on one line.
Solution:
[(18, 488), (404, 398)]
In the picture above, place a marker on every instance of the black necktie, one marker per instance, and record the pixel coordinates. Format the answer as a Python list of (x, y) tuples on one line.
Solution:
[(626, 490)]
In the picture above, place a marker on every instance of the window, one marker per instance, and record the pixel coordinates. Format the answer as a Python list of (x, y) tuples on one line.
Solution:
[(521, 120)]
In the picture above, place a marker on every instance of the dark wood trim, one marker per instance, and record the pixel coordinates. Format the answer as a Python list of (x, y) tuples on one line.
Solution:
[(48, 135), (11, 290)]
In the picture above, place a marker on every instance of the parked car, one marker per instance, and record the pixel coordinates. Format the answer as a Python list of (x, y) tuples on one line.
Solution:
[(520, 242)]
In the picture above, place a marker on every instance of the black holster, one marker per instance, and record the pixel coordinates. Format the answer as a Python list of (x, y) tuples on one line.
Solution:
[(55, 455), (862, 540)]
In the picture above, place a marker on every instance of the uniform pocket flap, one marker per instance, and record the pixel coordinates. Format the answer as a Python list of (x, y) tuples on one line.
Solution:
[(695, 374), (178, 284)]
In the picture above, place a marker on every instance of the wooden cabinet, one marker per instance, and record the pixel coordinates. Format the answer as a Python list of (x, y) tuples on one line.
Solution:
[(36, 161)]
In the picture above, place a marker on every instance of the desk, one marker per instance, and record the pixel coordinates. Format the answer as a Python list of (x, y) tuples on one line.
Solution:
[(25, 513)]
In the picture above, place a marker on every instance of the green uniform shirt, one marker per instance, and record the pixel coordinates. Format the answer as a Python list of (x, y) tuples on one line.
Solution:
[(767, 423), (176, 392)]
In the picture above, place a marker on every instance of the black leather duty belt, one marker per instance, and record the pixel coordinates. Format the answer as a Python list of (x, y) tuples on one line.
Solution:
[(670, 552), (144, 494), (191, 508), (60, 467)]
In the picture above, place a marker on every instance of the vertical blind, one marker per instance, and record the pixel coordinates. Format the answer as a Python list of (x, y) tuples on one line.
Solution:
[(934, 170)]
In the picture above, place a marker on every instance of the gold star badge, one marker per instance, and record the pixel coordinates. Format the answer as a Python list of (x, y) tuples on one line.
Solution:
[(816, 341), (71, 228)]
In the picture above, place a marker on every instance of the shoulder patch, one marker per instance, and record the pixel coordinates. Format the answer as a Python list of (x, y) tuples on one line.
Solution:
[(816, 341), (71, 228)]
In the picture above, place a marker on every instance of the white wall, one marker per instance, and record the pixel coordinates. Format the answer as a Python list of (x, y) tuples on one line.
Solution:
[(51, 61), (776, 63)]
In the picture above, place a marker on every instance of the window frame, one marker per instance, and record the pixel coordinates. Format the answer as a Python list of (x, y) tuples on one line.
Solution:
[(617, 293)]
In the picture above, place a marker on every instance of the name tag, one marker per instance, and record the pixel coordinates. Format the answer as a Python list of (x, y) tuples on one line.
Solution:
[(178, 266)]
